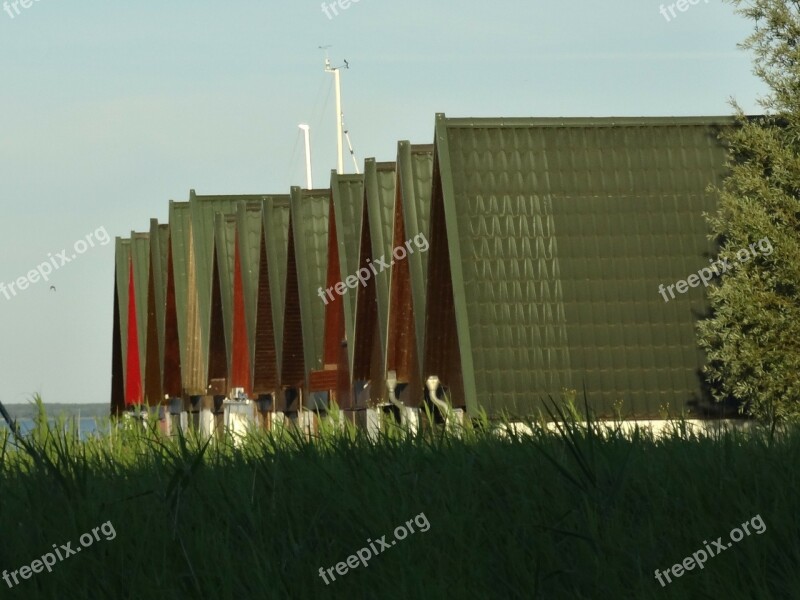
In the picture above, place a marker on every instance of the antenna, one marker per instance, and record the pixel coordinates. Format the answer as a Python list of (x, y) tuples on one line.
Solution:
[(306, 132)]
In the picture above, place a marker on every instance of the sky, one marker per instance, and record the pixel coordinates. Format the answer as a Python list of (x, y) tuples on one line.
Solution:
[(109, 109)]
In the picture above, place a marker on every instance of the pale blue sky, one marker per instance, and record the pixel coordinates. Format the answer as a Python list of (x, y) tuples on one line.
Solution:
[(108, 109)]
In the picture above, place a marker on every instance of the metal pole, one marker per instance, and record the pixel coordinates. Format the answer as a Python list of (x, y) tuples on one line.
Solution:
[(339, 123), (306, 131), (352, 152), (339, 117)]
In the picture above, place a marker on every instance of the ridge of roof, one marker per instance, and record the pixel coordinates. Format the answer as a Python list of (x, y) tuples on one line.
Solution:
[(485, 122)]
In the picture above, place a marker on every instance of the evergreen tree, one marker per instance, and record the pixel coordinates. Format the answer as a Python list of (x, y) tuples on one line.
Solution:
[(752, 337)]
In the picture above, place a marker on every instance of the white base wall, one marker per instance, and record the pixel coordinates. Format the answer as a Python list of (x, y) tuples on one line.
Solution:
[(658, 427), (239, 417), (179, 422), (306, 422), (374, 418), (277, 420), (206, 427)]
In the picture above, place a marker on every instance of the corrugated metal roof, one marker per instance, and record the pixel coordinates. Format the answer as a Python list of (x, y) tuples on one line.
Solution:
[(204, 209), (549, 239), (153, 393), (276, 239), (132, 272), (122, 258), (172, 385), (372, 300), (159, 253), (415, 173), (225, 232), (140, 255), (348, 208), (309, 221), (559, 232), (250, 232), (193, 372), (117, 375), (380, 184)]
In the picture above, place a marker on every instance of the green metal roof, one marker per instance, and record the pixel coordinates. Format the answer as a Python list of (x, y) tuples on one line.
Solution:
[(559, 232), (159, 251), (249, 226), (348, 208), (276, 236), (554, 235), (204, 209), (250, 231), (415, 173), (225, 231), (133, 251), (309, 219), (380, 183), (193, 374), (265, 218), (140, 253), (122, 257)]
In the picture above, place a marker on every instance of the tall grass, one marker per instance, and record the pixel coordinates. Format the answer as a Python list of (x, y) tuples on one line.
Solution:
[(574, 514)]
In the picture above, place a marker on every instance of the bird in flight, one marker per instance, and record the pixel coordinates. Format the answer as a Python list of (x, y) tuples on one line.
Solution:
[(52, 288)]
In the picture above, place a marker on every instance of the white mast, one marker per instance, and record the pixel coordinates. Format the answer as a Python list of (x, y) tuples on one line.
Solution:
[(306, 132), (341, 132), (339, 115)]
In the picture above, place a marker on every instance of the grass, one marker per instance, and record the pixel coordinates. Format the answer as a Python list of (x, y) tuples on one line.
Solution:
[(566, 515)]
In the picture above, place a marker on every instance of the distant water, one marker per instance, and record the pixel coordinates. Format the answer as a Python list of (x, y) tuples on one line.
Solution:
[(88, 425)]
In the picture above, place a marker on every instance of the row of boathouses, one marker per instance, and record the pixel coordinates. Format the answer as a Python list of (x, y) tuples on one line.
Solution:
[(509, 261)]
